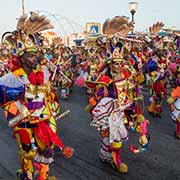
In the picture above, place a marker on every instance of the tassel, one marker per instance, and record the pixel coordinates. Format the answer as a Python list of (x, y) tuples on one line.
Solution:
[(68, 152)]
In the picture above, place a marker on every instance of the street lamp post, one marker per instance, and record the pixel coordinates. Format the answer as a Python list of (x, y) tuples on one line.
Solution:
[(133, 8), (23, 7)]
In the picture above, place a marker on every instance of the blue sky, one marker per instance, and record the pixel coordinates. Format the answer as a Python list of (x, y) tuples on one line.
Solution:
[(82, 11)]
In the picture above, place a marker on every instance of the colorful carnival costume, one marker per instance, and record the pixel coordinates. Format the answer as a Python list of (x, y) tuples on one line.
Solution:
[(107, 118), (157, 91), (127, 75), (106, 113), (29, 102), (174, 102), (114, 94), (156, 85), (65, 71), (59, 60)]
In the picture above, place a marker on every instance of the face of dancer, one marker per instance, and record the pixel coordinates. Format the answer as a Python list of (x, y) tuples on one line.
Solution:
[(93, 72), (116, 66), (30, 60)]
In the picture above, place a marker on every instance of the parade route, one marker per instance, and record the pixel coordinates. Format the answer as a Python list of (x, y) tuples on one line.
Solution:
[(160, 161), (90, 92)]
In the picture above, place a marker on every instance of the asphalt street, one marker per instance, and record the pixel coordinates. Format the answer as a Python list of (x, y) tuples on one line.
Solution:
[(159, 162)]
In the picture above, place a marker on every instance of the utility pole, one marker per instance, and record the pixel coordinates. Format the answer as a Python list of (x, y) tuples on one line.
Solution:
[(23, 7)]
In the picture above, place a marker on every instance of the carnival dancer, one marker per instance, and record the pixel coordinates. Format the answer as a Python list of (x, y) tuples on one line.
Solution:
[(157, 91), (59, 59), (29, 102), (157, 68), (66, 75), (106, 114), (113, 94), (125, 86), (174, 102), (153, 79)]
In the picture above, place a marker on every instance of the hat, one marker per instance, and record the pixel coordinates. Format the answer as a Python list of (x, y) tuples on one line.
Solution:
[(27, 37), (115, 50), (102, 79)]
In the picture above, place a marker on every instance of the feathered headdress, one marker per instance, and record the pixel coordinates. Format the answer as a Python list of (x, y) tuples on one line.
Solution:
[(27, 36), (155, 28), (118, 24), (114, 39)]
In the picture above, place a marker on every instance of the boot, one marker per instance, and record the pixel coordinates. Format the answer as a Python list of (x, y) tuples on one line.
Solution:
[(116, 154), (51, 178), (123, 168)]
